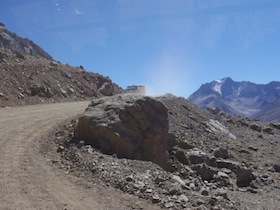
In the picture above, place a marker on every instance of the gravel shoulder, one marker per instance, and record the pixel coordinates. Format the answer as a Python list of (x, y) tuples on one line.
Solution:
[(27, 179)]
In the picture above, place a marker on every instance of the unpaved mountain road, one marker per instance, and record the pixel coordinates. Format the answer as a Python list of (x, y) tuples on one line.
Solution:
[(27, 181)]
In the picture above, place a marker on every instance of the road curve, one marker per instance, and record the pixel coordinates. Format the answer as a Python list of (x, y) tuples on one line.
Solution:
[(27, 181)]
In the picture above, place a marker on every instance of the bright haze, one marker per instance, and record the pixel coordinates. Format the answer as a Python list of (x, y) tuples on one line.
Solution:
[(169, 45)]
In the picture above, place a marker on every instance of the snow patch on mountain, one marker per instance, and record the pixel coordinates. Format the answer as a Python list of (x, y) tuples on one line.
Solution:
[(239, 91), (218, 87)]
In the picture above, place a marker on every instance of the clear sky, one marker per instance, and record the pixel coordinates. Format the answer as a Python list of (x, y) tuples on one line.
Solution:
[(169, 45)]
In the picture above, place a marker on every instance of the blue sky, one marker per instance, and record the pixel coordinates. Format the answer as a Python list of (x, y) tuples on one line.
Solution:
[(169, 45)]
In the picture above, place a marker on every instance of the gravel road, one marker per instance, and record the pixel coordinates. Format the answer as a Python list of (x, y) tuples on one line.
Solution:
[(27, 181)]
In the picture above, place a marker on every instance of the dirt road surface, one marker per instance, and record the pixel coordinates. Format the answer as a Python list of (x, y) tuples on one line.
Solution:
[(27, 181)]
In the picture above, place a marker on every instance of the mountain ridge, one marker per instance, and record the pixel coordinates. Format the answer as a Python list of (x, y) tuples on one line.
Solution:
[(244, 98), (11, 41)]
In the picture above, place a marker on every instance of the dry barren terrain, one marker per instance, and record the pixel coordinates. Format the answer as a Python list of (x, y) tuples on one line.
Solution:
[(27, 179)]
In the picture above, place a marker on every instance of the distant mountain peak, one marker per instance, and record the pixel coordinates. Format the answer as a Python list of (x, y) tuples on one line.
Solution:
[(220, 85), (226, 79), (239, 98)]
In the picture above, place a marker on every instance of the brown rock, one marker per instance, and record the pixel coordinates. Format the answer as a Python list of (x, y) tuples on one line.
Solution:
[(60, 148), (205, 192), (276, 167), (183, 198), (204, 171), (244, 176), (181, 156), (132, 126), (220, 192), (106, 89), (2, 55), (222, 178), (35, 89), (229, 164), (221, 152), (256, 127), (48, 93), (251, 147), (268, 130), (156, 199), (2, 95), (275, 125), (197, 157), (174, 142)]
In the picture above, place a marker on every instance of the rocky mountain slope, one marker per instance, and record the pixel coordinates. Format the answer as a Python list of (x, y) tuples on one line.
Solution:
[(28, 75), (165, 149), (245, 99), (18, 45), (211, 160)]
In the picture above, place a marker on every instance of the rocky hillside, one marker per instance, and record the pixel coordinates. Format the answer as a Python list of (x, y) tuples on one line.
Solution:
[(241, 98), (28, 75), (10, 41), (211, 160)]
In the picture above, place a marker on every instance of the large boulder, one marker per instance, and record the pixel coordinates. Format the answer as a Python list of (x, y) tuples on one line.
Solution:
[(131, 126)]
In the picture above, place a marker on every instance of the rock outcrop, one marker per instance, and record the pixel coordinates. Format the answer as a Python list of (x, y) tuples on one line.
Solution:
[(131, 126), (9, 40)]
